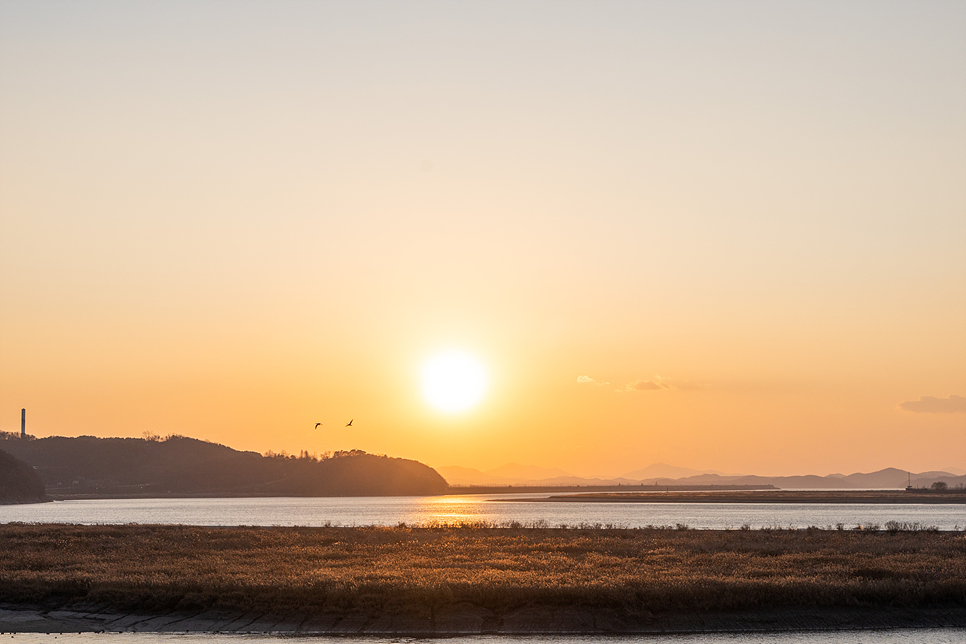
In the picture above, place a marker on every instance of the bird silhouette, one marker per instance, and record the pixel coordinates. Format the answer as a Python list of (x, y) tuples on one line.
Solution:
[(317, 425), (349, 424)]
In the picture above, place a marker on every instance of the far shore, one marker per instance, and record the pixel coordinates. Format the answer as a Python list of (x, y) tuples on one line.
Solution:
[(772, 496), (609, 494), (145, 492), (473, 580)]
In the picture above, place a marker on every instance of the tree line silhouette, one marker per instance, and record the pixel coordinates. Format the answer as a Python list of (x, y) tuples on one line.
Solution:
[(180, 465)]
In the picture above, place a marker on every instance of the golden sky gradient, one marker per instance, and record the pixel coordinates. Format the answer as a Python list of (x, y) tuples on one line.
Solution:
[(235, 220)]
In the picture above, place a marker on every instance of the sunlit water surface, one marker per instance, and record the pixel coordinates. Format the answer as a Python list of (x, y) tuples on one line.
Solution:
[(494, 509), (904, 636)]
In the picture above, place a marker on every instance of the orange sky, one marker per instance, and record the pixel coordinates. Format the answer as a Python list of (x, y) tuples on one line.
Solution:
[(231, 221)]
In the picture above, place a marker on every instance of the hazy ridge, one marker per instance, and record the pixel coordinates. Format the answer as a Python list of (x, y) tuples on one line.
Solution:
[(663, 474)]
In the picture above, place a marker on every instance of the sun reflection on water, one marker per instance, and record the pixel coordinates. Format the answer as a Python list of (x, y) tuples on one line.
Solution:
[(448, 510)]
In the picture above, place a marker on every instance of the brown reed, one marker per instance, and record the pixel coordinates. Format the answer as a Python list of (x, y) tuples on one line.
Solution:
[(415, 570)]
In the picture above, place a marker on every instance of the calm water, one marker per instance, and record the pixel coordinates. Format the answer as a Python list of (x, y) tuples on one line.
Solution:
[(497, 509), (905, 636)]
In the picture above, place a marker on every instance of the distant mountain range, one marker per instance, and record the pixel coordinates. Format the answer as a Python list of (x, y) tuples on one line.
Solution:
[(665, 471), (510, 474), (663, 474)]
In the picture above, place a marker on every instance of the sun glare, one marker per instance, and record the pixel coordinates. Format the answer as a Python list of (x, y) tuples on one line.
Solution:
[(453, 381)]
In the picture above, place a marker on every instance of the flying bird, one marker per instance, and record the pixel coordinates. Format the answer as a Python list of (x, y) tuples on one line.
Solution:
[(349, 424), (317, 425)]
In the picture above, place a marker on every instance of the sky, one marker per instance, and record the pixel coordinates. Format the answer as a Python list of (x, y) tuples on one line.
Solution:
[(720, 235)]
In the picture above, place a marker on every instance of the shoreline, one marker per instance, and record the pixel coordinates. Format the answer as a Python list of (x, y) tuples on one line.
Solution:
[(613, 494), (474, 620), (865, 497), (62, 494)]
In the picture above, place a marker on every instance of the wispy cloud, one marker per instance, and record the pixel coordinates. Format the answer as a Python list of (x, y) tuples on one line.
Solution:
[(931, 405), (656, 383)]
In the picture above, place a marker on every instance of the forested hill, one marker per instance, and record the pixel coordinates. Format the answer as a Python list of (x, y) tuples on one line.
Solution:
[(19, 482), (181, 465)]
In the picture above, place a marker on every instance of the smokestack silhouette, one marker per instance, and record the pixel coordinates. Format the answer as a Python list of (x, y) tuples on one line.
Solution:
[(23, 423)]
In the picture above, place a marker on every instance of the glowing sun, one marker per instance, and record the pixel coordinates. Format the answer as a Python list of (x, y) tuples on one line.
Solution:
[(453, 381)]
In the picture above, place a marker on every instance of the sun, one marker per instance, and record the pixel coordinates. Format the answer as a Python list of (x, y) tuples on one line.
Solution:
[(453, 381)]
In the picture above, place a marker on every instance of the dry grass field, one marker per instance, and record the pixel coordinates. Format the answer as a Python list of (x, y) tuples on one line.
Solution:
[(154, 569)]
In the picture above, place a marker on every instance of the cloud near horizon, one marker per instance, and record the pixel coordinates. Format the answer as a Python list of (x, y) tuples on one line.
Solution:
[(659, 382), (952, 404)]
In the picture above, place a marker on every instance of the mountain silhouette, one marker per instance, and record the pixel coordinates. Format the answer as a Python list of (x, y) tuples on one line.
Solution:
[(182, 465), (19, 483)]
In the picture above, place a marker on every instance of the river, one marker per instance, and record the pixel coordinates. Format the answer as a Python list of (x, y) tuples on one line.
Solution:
[(493, 509)]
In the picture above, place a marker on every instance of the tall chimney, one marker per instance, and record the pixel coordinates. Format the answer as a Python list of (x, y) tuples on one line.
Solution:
[(23, 423)]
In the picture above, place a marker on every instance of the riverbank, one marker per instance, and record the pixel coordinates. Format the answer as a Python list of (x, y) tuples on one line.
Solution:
[(411, 581), (144, 492), (950, 497), (583, 489)]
